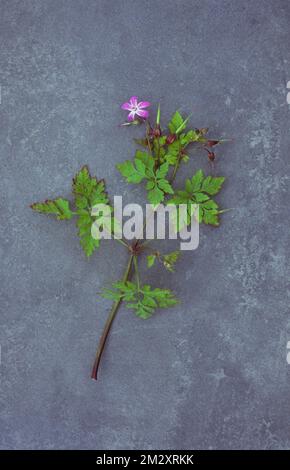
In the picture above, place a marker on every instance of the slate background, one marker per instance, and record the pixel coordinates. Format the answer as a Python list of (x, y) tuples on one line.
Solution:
[(211, 373)]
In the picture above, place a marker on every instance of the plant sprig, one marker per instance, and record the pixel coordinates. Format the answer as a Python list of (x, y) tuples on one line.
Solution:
[(155, 166)]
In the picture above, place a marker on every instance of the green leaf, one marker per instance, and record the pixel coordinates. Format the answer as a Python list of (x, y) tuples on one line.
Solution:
[(146, 159), (150, 260), (155, 196), (132, 174), (200, 197), (212, 185), (150, 185), (162, 171), (189, 137), (183, 125), (59, 207), (210, 205), (143, 167), (177, 123), (84, 224), (210, 212), (140, 166), (181, 197), (162, 140), (88, 191), (198, 191), (196, 181), (170, 259), (165, 186), (172, 152), (188, 186), (210, 217)]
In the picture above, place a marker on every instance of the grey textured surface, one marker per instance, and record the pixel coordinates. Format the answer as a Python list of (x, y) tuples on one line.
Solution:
[(213, 372)]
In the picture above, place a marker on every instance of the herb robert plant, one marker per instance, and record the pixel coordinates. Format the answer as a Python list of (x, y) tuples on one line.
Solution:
[(161, 153)]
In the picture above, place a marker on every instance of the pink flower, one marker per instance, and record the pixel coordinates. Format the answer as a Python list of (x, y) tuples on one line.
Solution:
[(136, 109)]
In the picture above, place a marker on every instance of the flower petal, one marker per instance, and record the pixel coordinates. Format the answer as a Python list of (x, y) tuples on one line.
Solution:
[(134, 100), (144, 104), (126, 106), (142, 113), (131, 116)]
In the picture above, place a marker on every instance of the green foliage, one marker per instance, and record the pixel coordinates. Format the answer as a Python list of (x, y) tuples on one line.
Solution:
[(88, 192), (159, 185), (133, 173), (172, 153), (58, 207), (189, 137), (147, 160), (177, 148), (212, 185), (168, 260), (151, 260), (161, 150), (143, 299), (177, 123), (198, 190), (143, 167), (84, 224)]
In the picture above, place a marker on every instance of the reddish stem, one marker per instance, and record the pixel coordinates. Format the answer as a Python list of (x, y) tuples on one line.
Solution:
[(108, 325)]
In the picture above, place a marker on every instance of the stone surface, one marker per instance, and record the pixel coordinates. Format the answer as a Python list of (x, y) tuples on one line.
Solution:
[(211, 373)]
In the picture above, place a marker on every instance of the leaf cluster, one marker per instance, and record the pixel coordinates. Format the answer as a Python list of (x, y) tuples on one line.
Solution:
[(144, 300), (143, 168), (87, 192), (198, 190), (162, 151)]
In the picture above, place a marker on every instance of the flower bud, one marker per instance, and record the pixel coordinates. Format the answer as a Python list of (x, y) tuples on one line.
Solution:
[(211, 155), (170, 139), (157, 131)]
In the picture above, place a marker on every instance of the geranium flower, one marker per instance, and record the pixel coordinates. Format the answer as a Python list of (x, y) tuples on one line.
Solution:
[(136, 109)]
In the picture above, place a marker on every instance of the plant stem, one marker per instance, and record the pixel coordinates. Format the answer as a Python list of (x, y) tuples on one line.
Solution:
[(148, 138), (108, 324), (137, 272), (158, 152), (175, 168)]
